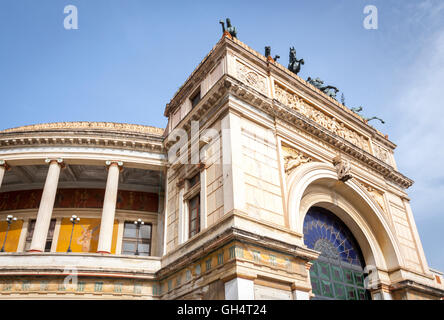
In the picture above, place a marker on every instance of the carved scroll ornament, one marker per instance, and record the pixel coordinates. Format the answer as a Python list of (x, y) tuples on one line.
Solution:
[(251, 78)]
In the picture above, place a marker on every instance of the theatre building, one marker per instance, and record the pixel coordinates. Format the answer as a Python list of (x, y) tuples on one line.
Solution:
[(261, 186)]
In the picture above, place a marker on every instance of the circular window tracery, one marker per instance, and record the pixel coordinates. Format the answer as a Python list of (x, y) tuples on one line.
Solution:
[(338, 273)]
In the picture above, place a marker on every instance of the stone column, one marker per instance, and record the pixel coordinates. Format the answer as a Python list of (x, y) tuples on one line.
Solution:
[(239, 289), (165, 223), (46, 206), (109, 207), (3, 167)]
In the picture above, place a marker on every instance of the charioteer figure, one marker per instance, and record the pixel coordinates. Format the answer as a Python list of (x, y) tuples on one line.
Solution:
[(230, 29)]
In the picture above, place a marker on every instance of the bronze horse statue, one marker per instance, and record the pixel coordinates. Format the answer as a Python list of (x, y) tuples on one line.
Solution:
[(359, 109), (318, 83), (294, 64), (268, 53), (231, 30)]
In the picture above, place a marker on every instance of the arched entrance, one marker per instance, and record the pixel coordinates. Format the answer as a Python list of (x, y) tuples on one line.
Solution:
[(338, 273)]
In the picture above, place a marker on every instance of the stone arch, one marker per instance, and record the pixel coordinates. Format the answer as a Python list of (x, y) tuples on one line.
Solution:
[(316, 184)]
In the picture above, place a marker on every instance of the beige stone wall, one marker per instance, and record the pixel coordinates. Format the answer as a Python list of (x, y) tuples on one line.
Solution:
[(263, 194), (207, 83), (214, 182), (404, 232), (172, 214)]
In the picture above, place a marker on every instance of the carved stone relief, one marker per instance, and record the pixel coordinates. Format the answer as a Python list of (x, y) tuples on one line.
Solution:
[(377, 195), (381, 153), (330, 123), (293, 159), (252, 78)]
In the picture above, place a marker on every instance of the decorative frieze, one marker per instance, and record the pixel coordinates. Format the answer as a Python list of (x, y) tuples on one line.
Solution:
[(381, 153), (81, 125), (106, 287), (328, 122), (317, 134), (251, 78)]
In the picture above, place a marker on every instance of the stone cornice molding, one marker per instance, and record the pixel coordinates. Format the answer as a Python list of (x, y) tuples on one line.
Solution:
[(296, 120), (228, 86), (416, 286), (106, 140), (243, 236), (88, 126)]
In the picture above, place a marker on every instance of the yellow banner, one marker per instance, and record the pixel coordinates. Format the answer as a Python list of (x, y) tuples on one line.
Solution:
[(13, 238), (85, 236)]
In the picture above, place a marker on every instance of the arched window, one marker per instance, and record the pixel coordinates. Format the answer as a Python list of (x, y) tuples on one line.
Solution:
[(338, 273)]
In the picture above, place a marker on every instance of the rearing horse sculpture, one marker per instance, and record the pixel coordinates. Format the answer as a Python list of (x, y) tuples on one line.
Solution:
[(318, 83), (231, 30), (294, 64), (359, 109), (268, 53)]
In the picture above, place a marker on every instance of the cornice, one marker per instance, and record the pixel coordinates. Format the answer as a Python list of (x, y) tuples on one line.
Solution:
[(228, 85), (69, 139), (240, 235), (297, 120), (88, 126), (416, 286)]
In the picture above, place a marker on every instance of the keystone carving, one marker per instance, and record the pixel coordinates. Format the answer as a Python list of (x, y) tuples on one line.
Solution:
[(343, 168)]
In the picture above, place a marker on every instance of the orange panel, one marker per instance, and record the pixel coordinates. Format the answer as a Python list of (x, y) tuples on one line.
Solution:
[(85, 236), (13, 238)]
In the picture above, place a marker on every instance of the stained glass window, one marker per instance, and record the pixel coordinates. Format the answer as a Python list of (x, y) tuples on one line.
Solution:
[(338, 272)]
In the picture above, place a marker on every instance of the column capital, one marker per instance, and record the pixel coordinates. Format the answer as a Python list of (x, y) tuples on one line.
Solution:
[(4, 165), (119, 164), (180, 183), (202, 166), (59, 161)]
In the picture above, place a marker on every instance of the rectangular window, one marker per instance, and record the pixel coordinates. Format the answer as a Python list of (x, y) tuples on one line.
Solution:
[(193, 180), (195, 99), (130, 240), (194, 215), (31, 226)]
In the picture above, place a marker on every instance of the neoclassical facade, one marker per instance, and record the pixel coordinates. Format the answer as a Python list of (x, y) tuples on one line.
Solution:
[(260, 187)]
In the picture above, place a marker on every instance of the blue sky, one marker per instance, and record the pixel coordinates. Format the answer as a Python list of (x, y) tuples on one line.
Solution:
[(128, 58)]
